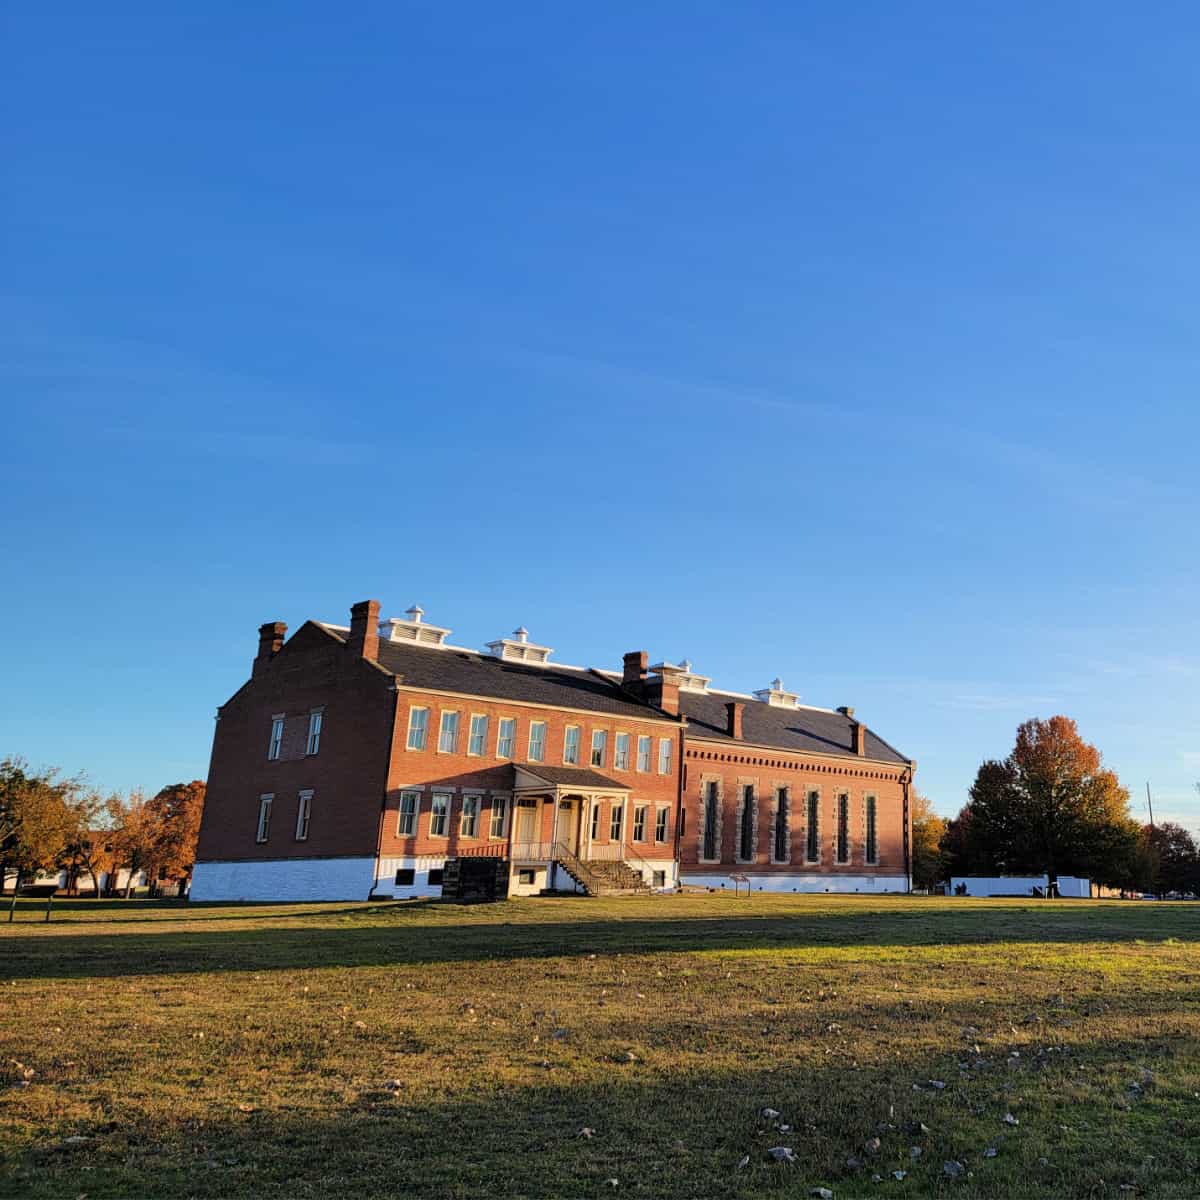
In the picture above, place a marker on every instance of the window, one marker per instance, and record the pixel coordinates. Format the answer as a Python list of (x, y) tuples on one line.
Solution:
[(615, 823), (595, 821), (746, 830), (448, 736), (314, 732), (571, 745), (499, 813), (303, 808), (664, 756), (435, 877), (526, 877), (782, 819), (406, 821), (658, 879), (872, 834), (812, 843), (264, 818), (599, 747), (418, 728), (276, 743), (537, 741), (660, 824), (710, 820), (406, 876), (621, 753), (843, 827), (439, 815), (643, 759), (477, 741), (468, 825), (506, 738), (639, 823)]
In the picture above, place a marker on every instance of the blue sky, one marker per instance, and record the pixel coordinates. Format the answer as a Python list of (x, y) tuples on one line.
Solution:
[(854, 344)]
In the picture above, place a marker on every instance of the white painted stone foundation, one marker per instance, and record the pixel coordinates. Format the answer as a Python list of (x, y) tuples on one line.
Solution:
[(874, 884), (284, 880), (385, 877)]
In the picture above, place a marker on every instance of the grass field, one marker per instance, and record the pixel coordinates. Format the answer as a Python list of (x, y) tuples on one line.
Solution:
[(545, 1048)]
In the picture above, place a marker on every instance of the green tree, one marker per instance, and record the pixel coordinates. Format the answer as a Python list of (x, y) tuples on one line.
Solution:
[(1175, 858), (1050, 807), (40, 815)]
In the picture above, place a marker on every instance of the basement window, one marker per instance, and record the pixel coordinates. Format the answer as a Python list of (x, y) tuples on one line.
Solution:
[(659, 879), (526, 877), (406, 876), (435, 877)]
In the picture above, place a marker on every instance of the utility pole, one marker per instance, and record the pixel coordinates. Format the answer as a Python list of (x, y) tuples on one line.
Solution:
[(1150, 804)]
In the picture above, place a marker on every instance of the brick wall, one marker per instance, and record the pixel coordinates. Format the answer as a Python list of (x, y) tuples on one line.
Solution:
[(733, 768), (462, 773), (346, 776)]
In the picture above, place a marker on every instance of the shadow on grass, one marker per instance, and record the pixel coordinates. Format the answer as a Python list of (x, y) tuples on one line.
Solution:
[(657, 1132), (436, 933)]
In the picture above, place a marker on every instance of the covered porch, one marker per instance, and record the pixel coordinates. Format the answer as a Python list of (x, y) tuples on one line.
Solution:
[(556, 815)]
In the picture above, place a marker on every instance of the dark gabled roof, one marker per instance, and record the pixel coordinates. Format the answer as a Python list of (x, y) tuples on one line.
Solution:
[(813, 731), (579, 777), (445, 669)]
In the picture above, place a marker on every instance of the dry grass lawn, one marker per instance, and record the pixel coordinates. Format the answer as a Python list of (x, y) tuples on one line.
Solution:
[(578, 1048)]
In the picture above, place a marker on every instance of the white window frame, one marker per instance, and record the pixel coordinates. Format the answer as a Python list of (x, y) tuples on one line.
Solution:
[(543, 726), (414, 816), (665, 747), (275, 745), (443, 730), (263, 831), (570, 743), (473, 800), (600, 746), (639, 822), (476, 718), (316, 718), (500, 808), (616, 820), (448, 797), (645, 753), (420, 730), (595, 821), (303, 814), (662, 821), (621, 756), (509, 723)]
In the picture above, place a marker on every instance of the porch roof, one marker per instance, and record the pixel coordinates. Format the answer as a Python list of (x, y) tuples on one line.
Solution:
[(563, 779)]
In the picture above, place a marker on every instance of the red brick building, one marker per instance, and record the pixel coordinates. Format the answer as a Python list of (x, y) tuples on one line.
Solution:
[(359, 760)]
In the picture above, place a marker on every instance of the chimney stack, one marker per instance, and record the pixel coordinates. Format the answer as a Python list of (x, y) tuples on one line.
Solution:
[(634, 675), (733, 724), (364, 629), (858, 737), (270, 639)]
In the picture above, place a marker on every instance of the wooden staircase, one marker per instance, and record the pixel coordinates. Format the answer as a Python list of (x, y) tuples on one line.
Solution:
[(602, 878)]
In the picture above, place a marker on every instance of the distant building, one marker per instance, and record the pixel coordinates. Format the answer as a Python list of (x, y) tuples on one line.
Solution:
[(361, 760)]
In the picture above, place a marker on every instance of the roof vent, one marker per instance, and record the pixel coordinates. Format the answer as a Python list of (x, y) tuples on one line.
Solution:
[(412, 628), (519, 648), (776, 696)]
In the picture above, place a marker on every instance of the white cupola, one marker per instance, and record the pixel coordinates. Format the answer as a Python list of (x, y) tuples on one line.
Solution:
[(519, 648), (413, 628), (776, 696)]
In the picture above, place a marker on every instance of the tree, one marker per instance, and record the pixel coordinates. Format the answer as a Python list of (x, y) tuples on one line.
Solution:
[(39, 816), (1050, 807), (1175, 859), (134, 840), (175, 812), (927, 832)]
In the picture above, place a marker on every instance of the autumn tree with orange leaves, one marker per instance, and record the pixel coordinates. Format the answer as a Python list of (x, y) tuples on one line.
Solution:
[(1051, 807)]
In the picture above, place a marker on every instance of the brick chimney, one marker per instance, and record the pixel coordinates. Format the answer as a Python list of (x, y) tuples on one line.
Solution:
[(270, 639), (364, 629), (634, 675), (858, 737), (733, 718)]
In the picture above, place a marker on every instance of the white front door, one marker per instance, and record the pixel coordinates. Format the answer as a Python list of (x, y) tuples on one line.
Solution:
[(568, 824)]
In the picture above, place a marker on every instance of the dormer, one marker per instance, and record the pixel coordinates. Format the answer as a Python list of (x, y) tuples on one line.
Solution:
[(519, 648), (412, 627), (776, 696)]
